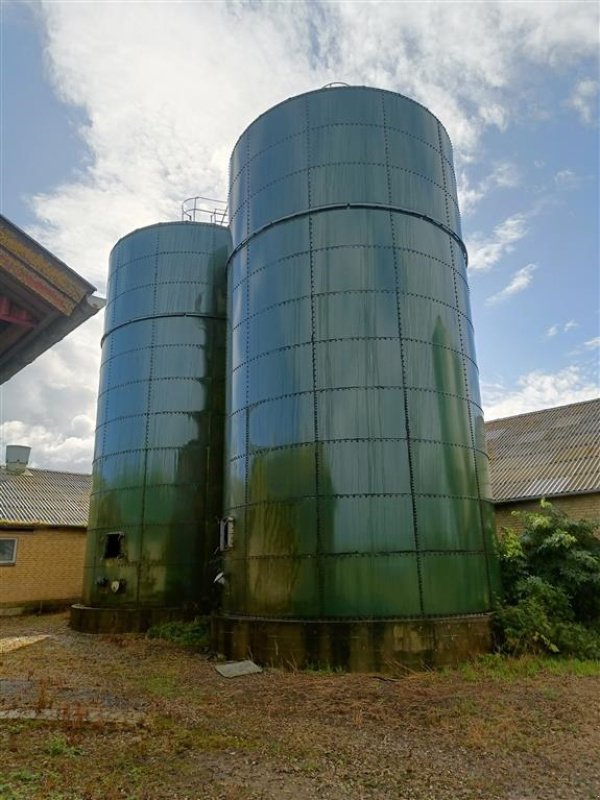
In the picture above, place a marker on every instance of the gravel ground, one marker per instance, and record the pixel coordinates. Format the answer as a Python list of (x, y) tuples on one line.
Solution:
[(106, 717)]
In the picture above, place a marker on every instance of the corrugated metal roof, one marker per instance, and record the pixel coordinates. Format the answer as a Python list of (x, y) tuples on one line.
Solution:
[(546, 453), (41, 496)]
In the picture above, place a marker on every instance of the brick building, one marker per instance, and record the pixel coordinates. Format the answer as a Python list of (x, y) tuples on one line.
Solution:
[(43, 519), (554, 453)]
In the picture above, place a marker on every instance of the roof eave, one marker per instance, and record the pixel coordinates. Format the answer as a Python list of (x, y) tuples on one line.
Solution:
[(28, 348), (547, 496)]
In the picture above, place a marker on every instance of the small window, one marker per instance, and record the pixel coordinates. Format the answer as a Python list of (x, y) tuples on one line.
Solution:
[(113, 545), (226, 533), (8, 551)]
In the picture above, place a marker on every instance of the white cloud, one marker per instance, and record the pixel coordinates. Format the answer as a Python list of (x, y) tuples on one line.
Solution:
[(485, 251), (505, 175), (584, 99), (566, 179), (592, 344), (521, 280), (537, 390), (51, 404), (560, 328), (469, 81), (168, 87)]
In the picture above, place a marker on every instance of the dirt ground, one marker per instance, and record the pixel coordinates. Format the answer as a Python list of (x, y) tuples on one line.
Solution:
[(103, 717)]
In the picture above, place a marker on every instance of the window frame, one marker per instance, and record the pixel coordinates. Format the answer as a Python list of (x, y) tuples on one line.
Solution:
[(14, 552)]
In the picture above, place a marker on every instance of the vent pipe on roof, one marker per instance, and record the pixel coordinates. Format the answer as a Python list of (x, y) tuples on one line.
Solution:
[(17, 457)]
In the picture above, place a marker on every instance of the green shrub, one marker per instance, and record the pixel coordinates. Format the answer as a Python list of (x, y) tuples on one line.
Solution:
[(187, 634), (551, 581)]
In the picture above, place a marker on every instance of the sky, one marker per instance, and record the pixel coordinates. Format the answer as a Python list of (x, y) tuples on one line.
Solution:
[(112, 113)]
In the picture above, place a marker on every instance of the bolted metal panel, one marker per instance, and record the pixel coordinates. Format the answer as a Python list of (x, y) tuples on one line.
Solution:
[(158, 462), (355, 470)]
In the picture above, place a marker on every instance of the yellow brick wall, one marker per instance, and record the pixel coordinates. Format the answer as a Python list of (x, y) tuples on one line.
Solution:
[(49, 566), (579, 506)]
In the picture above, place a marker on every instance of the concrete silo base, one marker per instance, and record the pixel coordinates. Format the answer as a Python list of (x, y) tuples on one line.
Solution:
[(354, 645), (88, 619)]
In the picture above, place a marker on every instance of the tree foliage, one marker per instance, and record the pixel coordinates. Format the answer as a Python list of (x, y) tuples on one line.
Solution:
[(551, 581)]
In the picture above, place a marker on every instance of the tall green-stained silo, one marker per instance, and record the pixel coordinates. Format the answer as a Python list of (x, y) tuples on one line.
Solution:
[(356, 471), (158, 462)]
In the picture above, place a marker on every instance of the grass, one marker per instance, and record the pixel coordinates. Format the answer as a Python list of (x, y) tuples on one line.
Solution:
[(59, 746), (487, 729), (506, 668), (160, 685)]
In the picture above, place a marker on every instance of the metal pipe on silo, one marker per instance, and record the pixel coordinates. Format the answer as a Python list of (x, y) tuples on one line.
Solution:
[(158, 461), (356, 472)]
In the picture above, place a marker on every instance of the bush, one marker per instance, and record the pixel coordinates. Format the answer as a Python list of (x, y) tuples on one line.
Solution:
[(551, 581), (187, 634)]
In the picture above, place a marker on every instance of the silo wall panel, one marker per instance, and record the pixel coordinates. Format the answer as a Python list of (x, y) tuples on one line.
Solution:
[(157, 472), (356, 472)]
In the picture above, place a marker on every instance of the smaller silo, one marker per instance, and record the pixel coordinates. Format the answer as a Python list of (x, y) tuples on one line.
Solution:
[(158, 462)]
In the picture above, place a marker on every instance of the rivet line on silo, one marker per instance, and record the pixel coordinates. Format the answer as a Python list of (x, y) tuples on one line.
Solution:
[(403, 366), (162, 253), (152, 317), (290, 174), (301, 497), (320, 579), (299, 345), (353, 440), (473, 445), (401, 249), (247, 379), (147, 430), (359, 554), (469, 411), (103, 437), (291, 136), (147, 347), (303, 297), (164, 283), (409, 212), (374, 387)]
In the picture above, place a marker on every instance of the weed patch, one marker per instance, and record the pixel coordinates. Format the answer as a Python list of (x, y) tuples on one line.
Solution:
[(59, 746), (186, 634)]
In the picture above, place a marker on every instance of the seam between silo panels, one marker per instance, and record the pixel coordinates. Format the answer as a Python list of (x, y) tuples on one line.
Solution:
[(147, 432), (347, 163), (320, 586), (470, 413), (345, 388), (358, 554), (337, 125), (343, 206), (107, 383), (270, 264), (245, 576), (300, 298), (403, 366), (208, 455), (147, 318), (380, 617), (305, 343)]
